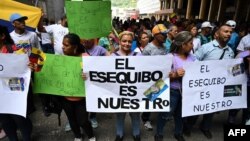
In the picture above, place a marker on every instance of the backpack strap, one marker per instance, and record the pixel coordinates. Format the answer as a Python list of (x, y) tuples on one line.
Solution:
[(222, 55), (116, 54), (59, 119), (135, 53)]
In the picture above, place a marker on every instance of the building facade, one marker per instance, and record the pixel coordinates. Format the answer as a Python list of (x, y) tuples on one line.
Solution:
[(214, 10), (147, 8)]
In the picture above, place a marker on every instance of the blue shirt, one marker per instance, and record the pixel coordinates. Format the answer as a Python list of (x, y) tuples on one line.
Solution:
[(213, 51), (134, 45), (234, 41), (168, 44)]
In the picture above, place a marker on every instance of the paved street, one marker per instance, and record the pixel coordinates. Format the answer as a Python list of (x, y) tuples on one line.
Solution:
[(47, 129)]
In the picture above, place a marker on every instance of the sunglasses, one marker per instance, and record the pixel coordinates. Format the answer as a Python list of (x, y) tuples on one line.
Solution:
[(163, 34)]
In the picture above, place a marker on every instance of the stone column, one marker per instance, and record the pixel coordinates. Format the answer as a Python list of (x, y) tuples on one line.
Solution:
[(211, 9), (202, 9), (237, 10), (172, 4), (248, 11), (180, 4), (189, 9), (219, 10)]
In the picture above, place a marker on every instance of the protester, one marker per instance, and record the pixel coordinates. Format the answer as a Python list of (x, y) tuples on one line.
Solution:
[(243, 49), (173, 30), (205, 34), (245, 119), (25, 40), (156, 47), (46, 39), (196, 41), (244, 42), (11, 122), (58, 31), (75, 107), (234, 40), (125, 41), (93, 50), (180, 49), (214, 50), (142, 41), (110, 43)]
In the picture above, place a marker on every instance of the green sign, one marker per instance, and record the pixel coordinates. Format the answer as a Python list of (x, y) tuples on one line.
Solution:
[(60, 75), (89, 19)]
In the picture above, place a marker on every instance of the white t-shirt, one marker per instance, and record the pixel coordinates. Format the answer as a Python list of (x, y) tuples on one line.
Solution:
[(58, 32), (27, 40), (196, 43), (244, 43)]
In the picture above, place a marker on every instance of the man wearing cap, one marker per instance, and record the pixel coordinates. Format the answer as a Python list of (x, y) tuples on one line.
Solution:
[(205, 35), (234, 40), (157, 47), (23, 38)]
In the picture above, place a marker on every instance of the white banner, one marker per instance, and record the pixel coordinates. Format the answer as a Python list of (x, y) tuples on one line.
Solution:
[(14, 83), (127, 84), (216, 85)]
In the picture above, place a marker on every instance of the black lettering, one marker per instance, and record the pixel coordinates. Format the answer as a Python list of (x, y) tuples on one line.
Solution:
[(102, 103), (166, 103), (190, 83), (1, 67), (196, 108), (93, 76), (223, 104), (202, 68), (123, 90), (127, 67), (155, 74), (119, 62), (213, 106), (121, 77), (218, 103), (112, 103), (207, 94), (157, 103), (135, 104), (201, 95), (111, 77), (102, 77), (145, 76), (207, 107), (229, 103), (132, 90), (125, 103), (146, 102)]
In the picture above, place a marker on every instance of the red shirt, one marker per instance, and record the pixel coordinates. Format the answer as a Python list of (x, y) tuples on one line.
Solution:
[(5, 50)]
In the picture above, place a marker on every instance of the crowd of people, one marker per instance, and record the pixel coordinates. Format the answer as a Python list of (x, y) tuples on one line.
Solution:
[(186, 40)]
